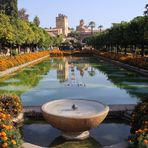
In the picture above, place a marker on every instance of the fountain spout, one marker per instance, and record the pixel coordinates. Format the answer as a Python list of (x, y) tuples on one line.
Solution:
[(74, 107)]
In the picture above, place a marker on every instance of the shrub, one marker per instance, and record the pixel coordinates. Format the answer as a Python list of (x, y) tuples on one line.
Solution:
[(10, 104), (139, 118), (139, 126)]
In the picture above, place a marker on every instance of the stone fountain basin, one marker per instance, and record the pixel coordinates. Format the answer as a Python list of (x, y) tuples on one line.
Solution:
[(88, 115)]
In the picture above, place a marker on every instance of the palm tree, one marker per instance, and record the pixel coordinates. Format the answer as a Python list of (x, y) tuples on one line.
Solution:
[(92, 25), (100, 27), (146, 11)]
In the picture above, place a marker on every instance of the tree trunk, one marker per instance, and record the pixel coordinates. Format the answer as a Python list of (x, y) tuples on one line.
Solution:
[(19, 49), (10, 50), (125, 50), (135, 50), (142, 50), (117, 48), (92, 30), (131, 49)]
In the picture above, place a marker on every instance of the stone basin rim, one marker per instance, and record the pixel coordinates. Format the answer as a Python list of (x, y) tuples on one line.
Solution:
[(106, 109)]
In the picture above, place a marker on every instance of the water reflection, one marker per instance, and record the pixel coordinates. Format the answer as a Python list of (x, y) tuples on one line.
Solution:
[(74, 80), (133, 83), (60, 142), (24, 79), (75, 77), (63, 71), (92, 71), (105, 134)]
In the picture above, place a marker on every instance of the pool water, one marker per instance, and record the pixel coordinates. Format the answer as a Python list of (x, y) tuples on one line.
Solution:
[(105, 134), (76, 77)]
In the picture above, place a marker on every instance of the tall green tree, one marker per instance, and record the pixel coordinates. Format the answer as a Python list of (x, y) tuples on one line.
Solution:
[(131, 35), (9, 7), (146, 20), (36, 21), (7, 32), (20, 34)]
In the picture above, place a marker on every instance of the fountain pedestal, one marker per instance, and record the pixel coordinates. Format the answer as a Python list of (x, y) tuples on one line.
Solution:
[(75, 135), (74, 117)]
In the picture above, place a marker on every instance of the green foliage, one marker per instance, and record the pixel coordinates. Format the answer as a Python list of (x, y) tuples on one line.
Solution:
[(9, 7), (58, 40), (74, 34), (140, 117), (139, 126), (122, 35), (7, 32), (36, 21), (18, 32)]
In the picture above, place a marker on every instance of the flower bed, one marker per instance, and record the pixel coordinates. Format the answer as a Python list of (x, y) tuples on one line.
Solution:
[(10, 104), (10, 107), (10, 136), (8, 62), (140, 62), (56, 52), (139, 127)]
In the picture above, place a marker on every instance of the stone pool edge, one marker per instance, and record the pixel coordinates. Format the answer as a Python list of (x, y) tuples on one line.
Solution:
[(122, 111), (118, 145)]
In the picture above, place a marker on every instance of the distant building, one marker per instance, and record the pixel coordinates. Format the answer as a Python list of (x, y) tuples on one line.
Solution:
[(54, 31), (82, 28), (61, 26), (62, 23)]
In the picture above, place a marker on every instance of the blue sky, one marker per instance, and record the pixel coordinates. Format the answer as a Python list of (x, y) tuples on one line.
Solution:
[(103, 12)]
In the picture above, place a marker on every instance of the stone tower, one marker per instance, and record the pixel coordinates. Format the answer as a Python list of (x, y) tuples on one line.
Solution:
[(62, 22)]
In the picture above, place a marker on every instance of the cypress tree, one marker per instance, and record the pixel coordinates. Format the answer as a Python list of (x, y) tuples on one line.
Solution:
[(36, 21), (9, 7)]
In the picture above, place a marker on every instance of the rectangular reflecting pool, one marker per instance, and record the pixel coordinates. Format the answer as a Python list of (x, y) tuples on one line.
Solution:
[(76, 77)]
